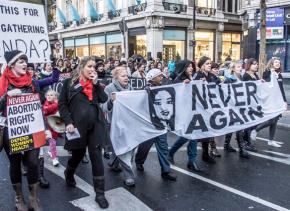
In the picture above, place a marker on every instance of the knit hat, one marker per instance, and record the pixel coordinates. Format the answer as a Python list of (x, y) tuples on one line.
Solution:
[(202, 60), (12, 56), (153, 73)]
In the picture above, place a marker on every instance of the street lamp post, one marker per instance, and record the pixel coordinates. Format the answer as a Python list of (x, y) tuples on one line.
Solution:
[(194, 27)]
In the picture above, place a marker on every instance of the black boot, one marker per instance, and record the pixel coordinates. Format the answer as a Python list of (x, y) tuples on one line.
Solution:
[(43, 183), (19, 199), (227, 145), (205, 154), (33, 198), (242, 144), (69, 176), (99, 186)]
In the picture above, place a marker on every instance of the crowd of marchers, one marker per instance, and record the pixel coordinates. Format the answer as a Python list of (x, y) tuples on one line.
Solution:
[(86, 105)]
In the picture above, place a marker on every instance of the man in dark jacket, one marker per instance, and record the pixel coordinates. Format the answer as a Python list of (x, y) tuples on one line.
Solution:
[(154, 77)]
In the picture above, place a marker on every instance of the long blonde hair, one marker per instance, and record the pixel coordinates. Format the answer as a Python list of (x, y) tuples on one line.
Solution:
[(233, 67), (270, 64), (78, 71)]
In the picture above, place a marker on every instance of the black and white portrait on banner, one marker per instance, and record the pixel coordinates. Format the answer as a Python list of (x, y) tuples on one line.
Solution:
[(162, 107)]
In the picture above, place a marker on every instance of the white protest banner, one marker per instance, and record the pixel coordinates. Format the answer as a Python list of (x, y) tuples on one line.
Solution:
[(194, 111), (23, 27), (25, 122)]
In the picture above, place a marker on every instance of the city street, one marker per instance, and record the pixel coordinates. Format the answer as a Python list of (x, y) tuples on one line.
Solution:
[(260, 183), (138, 69)]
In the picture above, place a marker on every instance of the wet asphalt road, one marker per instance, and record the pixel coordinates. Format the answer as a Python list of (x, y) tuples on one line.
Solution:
[(260, 183)]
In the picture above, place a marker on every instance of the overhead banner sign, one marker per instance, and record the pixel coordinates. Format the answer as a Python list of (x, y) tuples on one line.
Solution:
[(274, 24), (23, 27), (194, 111), (25, 123)]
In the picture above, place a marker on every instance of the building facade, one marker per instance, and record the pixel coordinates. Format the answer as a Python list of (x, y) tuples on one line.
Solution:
[(150, 28), (277, 30)]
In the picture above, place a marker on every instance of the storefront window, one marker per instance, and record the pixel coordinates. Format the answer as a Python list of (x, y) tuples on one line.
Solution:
[(69, 48), (82, 48), (137, 45), (231, 49), (97, 46), (175, 1), (174, 45), (114, 46), (204, 44), (205, 3)]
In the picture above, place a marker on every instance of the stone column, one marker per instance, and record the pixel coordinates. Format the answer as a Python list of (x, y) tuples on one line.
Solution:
[(154, 35), (125, 5), (106, 10), (218, 46), (60, 54), (189, 41), (154, 5)]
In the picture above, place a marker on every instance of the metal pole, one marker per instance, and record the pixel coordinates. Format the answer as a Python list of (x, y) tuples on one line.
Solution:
[(124, 37), (194, 28), (45, 9)]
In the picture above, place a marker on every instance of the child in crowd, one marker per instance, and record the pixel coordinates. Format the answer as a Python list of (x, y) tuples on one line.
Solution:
[(50, 107)]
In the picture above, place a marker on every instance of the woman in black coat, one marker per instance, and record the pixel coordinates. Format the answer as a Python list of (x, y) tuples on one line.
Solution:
[(79, 107), (252, 67)]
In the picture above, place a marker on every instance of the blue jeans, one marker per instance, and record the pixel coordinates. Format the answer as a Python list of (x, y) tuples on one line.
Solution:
[(191, 148), (162, 152)]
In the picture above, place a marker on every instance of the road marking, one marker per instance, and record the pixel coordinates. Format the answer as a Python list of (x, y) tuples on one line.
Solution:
[(230, 189), (119, 198), (280, 160), (278, 153), (264, 139)]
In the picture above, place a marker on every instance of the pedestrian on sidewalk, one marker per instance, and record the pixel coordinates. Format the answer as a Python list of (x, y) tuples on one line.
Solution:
[(272, 72), (79, 107)]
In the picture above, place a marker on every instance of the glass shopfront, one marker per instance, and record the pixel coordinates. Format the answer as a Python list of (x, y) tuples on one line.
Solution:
[(174, 45), (204, 44), (97, 46), (231, 48), (69, 50), (82, 47), (137, 42), (114, 45), (137, 45), (105, 46)]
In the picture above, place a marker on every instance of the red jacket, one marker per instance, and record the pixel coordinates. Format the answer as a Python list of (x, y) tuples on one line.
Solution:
[(50, 108)]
